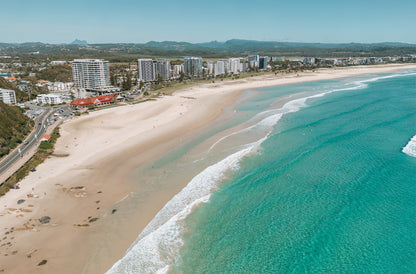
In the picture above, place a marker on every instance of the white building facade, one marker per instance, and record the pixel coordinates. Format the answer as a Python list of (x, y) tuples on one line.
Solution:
[(90, 73), (234, 65), (163, 69), (146, 69), (8, 96), (193, 66), (60, 86), (50, 99)]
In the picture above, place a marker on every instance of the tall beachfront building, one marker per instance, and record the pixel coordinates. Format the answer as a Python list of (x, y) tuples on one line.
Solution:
[(163, 69), (234, 65), (8, 96), (263, 62), (90, 73), (253, 60), (193, 66), (220, 68), (146, 70)]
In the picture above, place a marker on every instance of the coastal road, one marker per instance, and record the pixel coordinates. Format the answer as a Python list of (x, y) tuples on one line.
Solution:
[(41, 124)]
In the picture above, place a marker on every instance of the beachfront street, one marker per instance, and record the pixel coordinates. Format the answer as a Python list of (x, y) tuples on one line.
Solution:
[(41, 124)]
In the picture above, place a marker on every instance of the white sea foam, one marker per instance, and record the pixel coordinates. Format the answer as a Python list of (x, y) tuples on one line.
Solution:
[(387, 77), (157, 247), (410, 148), (274, 115)]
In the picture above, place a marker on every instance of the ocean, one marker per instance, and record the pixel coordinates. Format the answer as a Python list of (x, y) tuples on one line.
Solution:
[(305, 178)]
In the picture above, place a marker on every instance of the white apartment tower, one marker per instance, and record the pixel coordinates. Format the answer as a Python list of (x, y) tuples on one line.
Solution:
[(8, 96), (220, 67), (146, 70), (193, 66), (163, 69), (211, 67), (234, 65), (90, 73)]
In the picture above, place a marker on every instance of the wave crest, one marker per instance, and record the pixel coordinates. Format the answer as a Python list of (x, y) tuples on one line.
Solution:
[(410, 148)]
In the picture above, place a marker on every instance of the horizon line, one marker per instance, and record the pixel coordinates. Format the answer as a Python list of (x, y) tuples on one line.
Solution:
[(179, 41)]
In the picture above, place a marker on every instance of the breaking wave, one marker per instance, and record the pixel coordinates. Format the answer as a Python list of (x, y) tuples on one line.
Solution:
[(410, 148), (158, 246)]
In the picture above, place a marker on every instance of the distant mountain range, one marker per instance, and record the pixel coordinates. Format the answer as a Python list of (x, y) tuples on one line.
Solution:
[(236, 47), (228, 44), (79, 42), (272, 44)]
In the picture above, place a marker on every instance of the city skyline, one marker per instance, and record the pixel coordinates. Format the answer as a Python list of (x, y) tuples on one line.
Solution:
[(130, 21)]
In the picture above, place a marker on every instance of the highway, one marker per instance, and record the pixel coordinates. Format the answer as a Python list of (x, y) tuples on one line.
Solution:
[(41, 124)]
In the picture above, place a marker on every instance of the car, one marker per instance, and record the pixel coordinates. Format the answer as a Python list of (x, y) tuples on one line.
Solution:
[(26, 142)]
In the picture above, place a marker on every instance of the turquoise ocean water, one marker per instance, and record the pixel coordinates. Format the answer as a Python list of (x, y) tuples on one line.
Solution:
[(324, 183)]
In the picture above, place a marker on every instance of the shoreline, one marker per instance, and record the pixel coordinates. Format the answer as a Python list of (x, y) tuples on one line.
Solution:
[(72, 189)]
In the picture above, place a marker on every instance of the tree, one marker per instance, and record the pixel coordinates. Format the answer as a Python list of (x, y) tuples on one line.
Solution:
[(126, 85), (159, 78), (113, 79), (181, 76), (128, 82)]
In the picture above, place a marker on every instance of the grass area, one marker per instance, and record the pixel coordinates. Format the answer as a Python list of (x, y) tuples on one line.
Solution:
[(142, 101), (44, 151)]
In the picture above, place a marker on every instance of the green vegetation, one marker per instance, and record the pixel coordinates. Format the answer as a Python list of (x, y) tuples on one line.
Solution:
[(14, 126), (20, 95), (57, 73), (125, 53), (45, 149)]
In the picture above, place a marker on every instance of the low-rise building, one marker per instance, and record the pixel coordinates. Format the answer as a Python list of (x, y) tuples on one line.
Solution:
[(8, 96), (50, 99), (60, 86), (98, 100), (309, 61), (54, 63)]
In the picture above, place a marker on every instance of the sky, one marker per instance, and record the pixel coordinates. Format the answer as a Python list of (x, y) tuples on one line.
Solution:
[(138, 21)]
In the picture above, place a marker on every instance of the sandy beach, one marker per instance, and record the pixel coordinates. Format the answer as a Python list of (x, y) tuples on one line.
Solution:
[(64, 216)]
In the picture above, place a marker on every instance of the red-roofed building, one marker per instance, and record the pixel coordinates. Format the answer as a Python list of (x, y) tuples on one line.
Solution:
[(98, 100), (45, 138), (11, 78)]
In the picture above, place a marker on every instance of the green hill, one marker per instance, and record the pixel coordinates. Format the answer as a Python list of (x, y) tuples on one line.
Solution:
[(14, 126), (20, 95)]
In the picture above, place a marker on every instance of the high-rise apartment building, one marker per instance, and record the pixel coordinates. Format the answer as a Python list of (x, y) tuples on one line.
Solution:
[(8, 96), (90, 73), (220, 67), (177, 69), (193, 66), (234, 65), (163, 69), (263, 62), (211, 67), (146, 69), (253, 60)]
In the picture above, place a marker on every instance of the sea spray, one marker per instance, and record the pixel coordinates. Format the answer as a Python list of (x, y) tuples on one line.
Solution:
[(410, 148)]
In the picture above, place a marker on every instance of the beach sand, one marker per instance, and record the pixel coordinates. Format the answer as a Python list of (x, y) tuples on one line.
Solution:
[(79, 187)]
